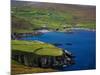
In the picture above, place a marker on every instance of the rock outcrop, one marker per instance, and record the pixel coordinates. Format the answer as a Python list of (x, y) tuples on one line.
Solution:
[(34, 60), (45, 56)]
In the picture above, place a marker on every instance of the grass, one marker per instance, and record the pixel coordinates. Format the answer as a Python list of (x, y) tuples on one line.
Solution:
[(22, 30), (39, 17), (52, 18), (36, 47), (90, 25), (17, 68)]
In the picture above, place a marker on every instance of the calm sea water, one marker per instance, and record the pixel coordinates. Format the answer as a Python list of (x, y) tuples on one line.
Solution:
[(83, 46)]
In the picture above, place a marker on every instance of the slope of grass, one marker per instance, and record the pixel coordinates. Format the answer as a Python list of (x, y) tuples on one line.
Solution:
[(36, 47), (52, 15), (17, 68), (37, 17)]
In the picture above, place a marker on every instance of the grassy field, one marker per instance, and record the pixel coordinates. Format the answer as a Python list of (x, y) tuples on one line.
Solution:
[(17, 68), (36, 47), (27, 16), (39, 18)]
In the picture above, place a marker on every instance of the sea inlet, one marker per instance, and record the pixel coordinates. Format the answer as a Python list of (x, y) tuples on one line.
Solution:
[(81, 43)]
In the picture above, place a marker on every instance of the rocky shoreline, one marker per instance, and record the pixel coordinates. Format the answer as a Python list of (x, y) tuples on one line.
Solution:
[(33, 60), (40, 54), (39, 32), (84, 29)]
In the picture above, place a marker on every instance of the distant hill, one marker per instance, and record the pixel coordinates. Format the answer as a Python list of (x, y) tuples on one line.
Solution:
[(54, 14), (86, 10)]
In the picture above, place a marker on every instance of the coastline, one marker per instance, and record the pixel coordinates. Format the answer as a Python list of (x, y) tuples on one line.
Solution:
[(88, 29), (46, 31)]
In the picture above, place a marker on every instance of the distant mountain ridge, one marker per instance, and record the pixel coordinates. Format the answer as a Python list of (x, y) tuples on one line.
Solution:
[(85, 9)]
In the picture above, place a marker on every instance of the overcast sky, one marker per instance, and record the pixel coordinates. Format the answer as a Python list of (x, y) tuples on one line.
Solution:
[(83, 2)]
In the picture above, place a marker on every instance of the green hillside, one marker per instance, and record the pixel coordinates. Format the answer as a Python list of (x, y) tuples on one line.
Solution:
[(31, 16), (17, 68), (36, 47)]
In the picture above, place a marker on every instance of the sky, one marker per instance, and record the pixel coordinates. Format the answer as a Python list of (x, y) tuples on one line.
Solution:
[(82, 2)]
